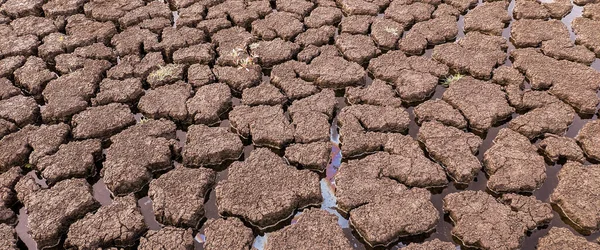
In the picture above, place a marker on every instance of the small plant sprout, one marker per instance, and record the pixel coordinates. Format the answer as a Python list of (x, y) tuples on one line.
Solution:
[(28, 166), (236, 52), (253, 55), (245, 63), (163, 72), (391, 30), (451, 79)]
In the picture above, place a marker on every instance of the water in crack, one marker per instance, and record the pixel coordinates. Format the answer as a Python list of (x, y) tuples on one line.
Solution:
[(327, 185), (145, 205), (461, 27), (577, 11), (101, 193), (329, 202), (506, 33), (259, 242), (413, 127), (596, 64), (23, 230), (175, 17)]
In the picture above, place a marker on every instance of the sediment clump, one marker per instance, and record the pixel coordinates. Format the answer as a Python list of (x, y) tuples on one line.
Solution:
[(483, 104), (227, 233), (178, 196), (504, 223), (589, 139), (453, 148), (168, 237), (560, 238), (513, 164), (560, 77), (137, 152), (294, 189), (314, 228), (578, 200), (118, 224)]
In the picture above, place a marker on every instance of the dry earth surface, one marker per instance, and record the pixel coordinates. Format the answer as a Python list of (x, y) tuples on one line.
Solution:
[(299, 124)]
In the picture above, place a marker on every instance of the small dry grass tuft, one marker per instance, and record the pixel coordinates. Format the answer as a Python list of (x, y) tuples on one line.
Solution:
[(451, 79), (163, 72), (392, 31)]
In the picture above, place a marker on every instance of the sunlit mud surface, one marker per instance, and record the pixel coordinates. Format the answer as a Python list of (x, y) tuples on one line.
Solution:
[(293, 124)]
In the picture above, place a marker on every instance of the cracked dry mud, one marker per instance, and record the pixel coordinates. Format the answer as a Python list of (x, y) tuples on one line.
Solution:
[(513, 164), (299, 124)]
